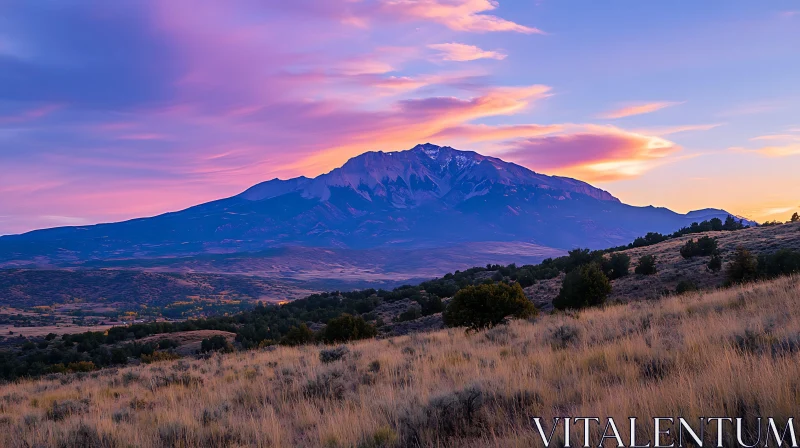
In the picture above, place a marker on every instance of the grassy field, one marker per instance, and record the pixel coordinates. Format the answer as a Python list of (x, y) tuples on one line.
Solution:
[(733, 352)]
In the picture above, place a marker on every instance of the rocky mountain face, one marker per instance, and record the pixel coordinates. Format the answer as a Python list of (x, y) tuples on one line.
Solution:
[(429, 197)]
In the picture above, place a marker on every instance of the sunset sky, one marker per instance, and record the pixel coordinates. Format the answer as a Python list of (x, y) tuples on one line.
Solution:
[(118, 109)]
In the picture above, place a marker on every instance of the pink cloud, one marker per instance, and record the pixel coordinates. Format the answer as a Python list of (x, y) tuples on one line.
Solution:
[(142, 137), (459, 15), (595, 154), (462, 52), (669, 130), (31, 114), (638, 109)]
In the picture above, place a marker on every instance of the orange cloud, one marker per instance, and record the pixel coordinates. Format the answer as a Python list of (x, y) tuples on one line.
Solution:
[(790, 146), (462, 52), (638, 109), (780, 151), (597, 153), (459, 15)]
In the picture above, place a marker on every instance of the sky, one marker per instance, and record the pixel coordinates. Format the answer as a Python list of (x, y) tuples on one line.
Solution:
[(116, 110)]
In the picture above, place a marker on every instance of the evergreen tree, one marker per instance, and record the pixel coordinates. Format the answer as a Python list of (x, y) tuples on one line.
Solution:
[(586, 286), (743, 267), (347, 328), (646, 265), (484, 306), (617, 265)]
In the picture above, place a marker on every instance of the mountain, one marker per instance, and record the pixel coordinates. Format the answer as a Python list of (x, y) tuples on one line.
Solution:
[(429, 197)]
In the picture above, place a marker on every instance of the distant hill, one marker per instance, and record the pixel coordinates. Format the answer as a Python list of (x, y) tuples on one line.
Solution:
[(426, 198)]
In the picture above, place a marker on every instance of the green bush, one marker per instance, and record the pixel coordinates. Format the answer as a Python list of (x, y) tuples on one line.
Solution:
[(586, 286), (487, 305), (646, 265), (617, 265), (685, 286), (347, 328), (702, 247), (413, 312), (215, 343), (743, 267), (782, 262), (715, 263), (298, 336)]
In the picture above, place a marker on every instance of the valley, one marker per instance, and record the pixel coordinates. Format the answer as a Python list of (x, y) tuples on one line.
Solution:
[(736, 348)]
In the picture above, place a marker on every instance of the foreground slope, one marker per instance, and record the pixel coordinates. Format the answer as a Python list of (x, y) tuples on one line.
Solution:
[(429, 197), (735, 350)]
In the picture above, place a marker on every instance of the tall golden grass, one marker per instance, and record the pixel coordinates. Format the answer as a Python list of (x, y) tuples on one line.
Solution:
[(733, 352)]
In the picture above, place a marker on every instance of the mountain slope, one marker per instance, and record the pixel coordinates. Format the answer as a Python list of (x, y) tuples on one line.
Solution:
[(426, 197)]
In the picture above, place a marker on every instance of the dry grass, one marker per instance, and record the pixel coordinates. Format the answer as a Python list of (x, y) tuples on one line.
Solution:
[(725, 353)]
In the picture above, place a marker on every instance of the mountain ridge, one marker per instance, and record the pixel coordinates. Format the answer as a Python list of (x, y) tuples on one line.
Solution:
[(427, 197)]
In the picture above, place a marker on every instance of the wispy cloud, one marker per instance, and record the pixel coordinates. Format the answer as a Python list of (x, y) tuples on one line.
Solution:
[(638, 109), (595, 153), (777, 210), (463, 52), (753, 108), (31, 114), (669, 130), (459, 15), (785, 145)]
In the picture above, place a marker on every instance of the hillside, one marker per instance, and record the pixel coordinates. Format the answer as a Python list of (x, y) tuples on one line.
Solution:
[(673, 268), (429, 198), (737, 350)]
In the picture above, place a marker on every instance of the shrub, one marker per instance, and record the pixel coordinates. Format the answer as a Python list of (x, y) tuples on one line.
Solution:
[(564, 336), (685, 286), (347, 328), (413, 312), (487, 305), (85, 436), (715, 263), (60, 410), (586, 286), (122, 416), (333, 354), (166, 344), (702, 247), (782, 262), (743, 267), (160, 356), (215, 343), (795, 217), (617, 265), (381, 438), (646, 265), (298, 336), (328, 384), (458, 414)]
